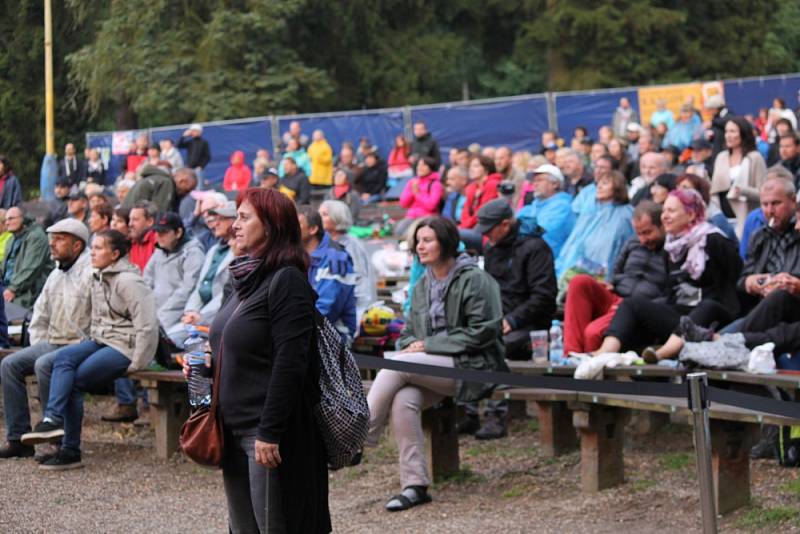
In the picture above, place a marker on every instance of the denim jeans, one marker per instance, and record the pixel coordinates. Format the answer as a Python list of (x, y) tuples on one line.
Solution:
[(38, 359), (77, 368), (125, 390), (252, 490)]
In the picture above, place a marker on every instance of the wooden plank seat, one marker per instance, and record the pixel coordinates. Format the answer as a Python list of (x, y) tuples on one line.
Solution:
[(169, 407)]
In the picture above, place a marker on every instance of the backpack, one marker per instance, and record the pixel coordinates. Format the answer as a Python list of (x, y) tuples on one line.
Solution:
[(342, 413)]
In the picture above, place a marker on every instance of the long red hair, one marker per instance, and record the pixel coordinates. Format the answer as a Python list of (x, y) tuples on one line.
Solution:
[(279, 216)]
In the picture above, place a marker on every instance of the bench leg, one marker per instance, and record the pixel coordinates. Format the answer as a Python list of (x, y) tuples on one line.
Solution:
[(730, 452), (602, 431), (168, 411), (441, 440), (557, 436)]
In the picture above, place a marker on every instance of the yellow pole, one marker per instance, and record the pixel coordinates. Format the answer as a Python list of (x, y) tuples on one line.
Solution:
[(49, 109)]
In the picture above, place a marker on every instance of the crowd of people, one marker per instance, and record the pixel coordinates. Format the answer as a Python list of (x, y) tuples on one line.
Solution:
[(651, 237)]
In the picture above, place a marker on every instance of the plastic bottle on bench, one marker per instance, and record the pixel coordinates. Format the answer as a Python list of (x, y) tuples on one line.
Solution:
[(199, 374), (556, 344)]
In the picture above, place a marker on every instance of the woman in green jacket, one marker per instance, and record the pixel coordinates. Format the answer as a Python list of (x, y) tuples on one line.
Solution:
[(454, 321)]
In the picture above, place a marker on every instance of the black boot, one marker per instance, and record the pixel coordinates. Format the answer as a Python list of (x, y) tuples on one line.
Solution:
[(15, 449), (494, 427)]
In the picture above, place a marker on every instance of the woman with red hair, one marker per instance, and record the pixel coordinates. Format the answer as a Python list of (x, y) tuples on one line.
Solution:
[(262, 337)]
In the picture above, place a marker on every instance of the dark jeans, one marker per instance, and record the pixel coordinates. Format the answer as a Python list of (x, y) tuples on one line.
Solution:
[(640, 322), (518, 344), (775, 319), (78, 368), (253, 491)]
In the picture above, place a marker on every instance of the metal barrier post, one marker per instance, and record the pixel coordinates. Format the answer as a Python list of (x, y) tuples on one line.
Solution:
[(698, 403)]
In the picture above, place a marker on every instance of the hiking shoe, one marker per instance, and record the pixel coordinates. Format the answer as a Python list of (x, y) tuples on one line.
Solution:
[(493, 428), (15, 449), (469, 424), (63, 460), (45, 452), (121, 413), (44, 432)]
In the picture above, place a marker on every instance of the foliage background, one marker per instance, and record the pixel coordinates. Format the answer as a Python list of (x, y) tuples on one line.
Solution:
[(122, 64)]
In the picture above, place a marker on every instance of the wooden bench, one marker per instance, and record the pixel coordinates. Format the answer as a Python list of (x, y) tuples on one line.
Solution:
[(169, 407)]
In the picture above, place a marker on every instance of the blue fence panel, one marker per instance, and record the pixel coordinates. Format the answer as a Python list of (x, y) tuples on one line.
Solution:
[(380, 128), (747, 96), (516, 123), (223, 140), (590, 110)]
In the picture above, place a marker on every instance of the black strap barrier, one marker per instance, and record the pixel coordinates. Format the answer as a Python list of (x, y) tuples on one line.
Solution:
[(649, 389)]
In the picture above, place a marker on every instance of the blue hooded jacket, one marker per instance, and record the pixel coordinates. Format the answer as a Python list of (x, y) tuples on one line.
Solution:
[(554, 215), (332, 277)]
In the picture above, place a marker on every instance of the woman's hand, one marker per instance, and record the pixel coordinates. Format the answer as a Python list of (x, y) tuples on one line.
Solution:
[(267, 454), (415, 346)]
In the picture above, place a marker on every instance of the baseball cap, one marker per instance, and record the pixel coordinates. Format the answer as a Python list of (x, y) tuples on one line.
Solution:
[(77, 195), (72, 227), (197, 127), (168, 221), (552, 170), (63, 182), (227, 210), (715, 102), (633, 127), (701, 144), (493, 213), (273, 171)]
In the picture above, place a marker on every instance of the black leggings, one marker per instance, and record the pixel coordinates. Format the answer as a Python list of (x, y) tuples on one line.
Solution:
[(775, 319), (640, 321)]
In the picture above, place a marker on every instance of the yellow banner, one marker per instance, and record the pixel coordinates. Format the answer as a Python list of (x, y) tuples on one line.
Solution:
[(673, 95)]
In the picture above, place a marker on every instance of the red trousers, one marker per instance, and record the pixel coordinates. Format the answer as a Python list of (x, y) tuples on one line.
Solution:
[(587, 314)]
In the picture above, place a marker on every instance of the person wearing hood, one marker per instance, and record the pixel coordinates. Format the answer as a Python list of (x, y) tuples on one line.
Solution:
[(238, 175), (455, 321), (523, 267), (123, 335), (424, 145), (26, 262), (320, 154), (155, 185), (551, 209), (60, 316)]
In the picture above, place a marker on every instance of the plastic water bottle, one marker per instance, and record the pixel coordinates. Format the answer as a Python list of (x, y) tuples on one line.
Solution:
[(199, 374), (556, 344)]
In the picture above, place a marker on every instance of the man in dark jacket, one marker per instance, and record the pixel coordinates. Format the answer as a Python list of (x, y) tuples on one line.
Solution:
[(372, 182), (71, 168), (424, 145), (294, 183), (773, 256), (198, 153), (156, 186), (640, 270), (523, 267)]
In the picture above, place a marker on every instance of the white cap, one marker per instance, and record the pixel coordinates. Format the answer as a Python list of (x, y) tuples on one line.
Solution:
[(715, 102), (550, 169), (72, 227), (633, 127), (197, 127)]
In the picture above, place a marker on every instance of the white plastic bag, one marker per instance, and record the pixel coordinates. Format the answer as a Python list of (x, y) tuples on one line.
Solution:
[(762, 360)]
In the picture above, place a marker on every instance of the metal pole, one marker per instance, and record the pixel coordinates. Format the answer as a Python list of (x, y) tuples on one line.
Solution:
[(698, 403), (49, 109)]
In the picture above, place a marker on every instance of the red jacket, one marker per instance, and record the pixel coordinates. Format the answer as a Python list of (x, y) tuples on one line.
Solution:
[(142, 250), (478, 195)]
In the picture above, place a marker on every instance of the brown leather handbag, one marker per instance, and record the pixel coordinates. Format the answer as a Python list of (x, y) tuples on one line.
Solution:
[(201, 434)]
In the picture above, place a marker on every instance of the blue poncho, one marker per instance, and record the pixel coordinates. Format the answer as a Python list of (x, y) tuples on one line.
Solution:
[(597, 238), (554, 215), (585, 201)]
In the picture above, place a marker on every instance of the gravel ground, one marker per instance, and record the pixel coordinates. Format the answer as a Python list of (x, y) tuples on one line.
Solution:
[(505, 486)]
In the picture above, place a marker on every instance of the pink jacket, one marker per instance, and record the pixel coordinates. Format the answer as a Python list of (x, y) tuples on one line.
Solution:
[(426, 200)]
